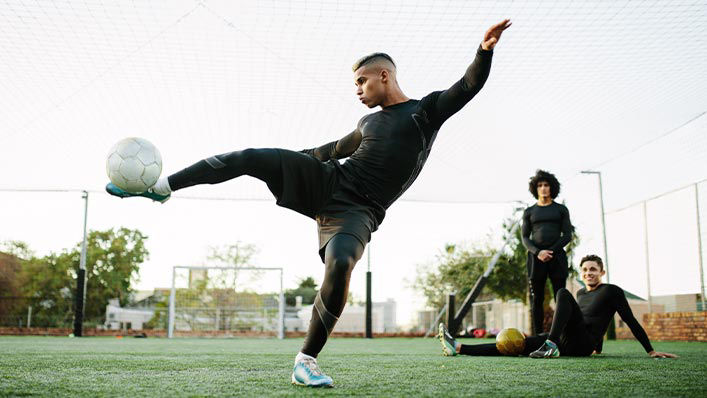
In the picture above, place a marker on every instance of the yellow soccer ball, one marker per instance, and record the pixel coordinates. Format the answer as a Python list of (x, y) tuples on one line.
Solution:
[(510, 342)]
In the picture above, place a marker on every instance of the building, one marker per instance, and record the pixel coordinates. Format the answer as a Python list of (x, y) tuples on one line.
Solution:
[(353, 319), (126, 318)]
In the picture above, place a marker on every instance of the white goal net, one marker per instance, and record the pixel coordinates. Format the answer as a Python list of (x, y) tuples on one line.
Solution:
[(226, 301)]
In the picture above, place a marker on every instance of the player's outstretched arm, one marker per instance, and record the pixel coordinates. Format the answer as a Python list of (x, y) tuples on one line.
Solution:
[(339, 149), (639, 333), (493, 35), (450, 101)]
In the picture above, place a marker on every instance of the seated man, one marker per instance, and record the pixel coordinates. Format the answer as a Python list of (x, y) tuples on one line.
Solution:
[(578, 327)]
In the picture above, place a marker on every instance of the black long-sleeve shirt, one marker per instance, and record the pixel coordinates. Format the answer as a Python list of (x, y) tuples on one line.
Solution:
[(388, 148), (546, 227), (598, 308)]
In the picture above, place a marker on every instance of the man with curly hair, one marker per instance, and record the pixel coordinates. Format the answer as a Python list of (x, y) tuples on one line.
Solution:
[(546, 231), (578, 326)]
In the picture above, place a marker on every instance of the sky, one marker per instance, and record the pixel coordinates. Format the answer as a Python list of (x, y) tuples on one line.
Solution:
[(618, 87)]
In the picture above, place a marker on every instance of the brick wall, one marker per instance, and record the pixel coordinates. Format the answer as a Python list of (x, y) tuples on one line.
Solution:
[(675, 326)]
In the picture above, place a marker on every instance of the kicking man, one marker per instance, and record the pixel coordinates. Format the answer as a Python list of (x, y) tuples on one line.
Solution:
[(385, 154), (546, 231), (578, 327)]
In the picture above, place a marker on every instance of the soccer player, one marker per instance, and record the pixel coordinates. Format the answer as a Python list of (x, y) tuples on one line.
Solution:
[(546, 231), (578, 327), (385, 152)]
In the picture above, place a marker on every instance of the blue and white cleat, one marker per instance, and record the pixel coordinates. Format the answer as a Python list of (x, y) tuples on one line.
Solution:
[(115, 191), (449, 345), (307, 373)]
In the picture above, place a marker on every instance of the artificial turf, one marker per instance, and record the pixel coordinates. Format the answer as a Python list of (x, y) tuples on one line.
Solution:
[(102, 366)]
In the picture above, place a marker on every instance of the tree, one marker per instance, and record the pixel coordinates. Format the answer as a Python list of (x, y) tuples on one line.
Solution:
[(458, 268), (113, 260), (237, 254), (11, 301), (218, 295), (307, 289), (49, 283)]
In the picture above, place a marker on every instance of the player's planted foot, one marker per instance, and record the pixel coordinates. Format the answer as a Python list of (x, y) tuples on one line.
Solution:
[(307, 373), (115, 191), (449, 345), (547, 350)]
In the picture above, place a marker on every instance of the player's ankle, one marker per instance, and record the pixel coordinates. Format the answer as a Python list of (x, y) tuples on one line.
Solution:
[(162, 187), (300, 356)]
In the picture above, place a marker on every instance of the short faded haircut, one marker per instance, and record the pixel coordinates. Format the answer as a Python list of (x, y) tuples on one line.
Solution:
[(371, 58), (592, 257)]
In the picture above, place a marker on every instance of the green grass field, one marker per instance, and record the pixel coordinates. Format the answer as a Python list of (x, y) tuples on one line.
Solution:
[(102, 366)]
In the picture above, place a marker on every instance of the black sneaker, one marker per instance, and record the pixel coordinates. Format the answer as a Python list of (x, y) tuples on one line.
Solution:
[(547, 350), (449, 345)]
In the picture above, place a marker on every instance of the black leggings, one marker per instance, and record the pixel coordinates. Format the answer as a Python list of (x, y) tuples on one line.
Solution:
[(538, 273), (568, 331), (341, 255), (263, 164), (532, 343)]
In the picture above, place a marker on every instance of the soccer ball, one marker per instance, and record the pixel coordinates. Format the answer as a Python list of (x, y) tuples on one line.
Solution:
[(510, 342), (134, 164)]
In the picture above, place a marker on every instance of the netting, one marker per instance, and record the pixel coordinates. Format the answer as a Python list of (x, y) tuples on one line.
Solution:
[(616, 86), (198, 78), (655, 244), (226, 301)]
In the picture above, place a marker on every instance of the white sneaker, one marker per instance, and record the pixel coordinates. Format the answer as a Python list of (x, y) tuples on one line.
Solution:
[(307, 373)]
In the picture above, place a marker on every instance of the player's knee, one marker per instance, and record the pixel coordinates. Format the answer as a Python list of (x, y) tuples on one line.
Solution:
[(340, 266), (563, 293)]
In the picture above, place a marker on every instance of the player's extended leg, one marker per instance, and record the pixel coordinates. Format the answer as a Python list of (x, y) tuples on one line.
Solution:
[(341, 254), (451, 347), (264, 164), (568, 315)]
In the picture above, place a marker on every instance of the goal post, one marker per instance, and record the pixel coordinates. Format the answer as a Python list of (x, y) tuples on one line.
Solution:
[(226, 301)]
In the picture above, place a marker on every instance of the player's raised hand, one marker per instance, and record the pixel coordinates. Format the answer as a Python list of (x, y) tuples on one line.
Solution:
[(492, 35)]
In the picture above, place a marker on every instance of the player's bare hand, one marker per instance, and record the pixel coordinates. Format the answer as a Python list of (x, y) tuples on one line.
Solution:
[(493, 35), (545, 255), (658, 354)]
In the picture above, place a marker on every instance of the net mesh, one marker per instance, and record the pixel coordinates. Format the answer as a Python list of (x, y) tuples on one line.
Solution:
[(226, 300)]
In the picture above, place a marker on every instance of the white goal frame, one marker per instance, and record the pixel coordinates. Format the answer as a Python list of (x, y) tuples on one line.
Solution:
[(173, 295)]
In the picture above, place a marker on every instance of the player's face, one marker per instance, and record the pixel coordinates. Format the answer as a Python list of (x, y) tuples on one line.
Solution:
[(543, 189), (369, 86), (591, 273)]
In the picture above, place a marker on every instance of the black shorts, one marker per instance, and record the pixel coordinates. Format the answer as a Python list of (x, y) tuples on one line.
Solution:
[(319, 191)]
